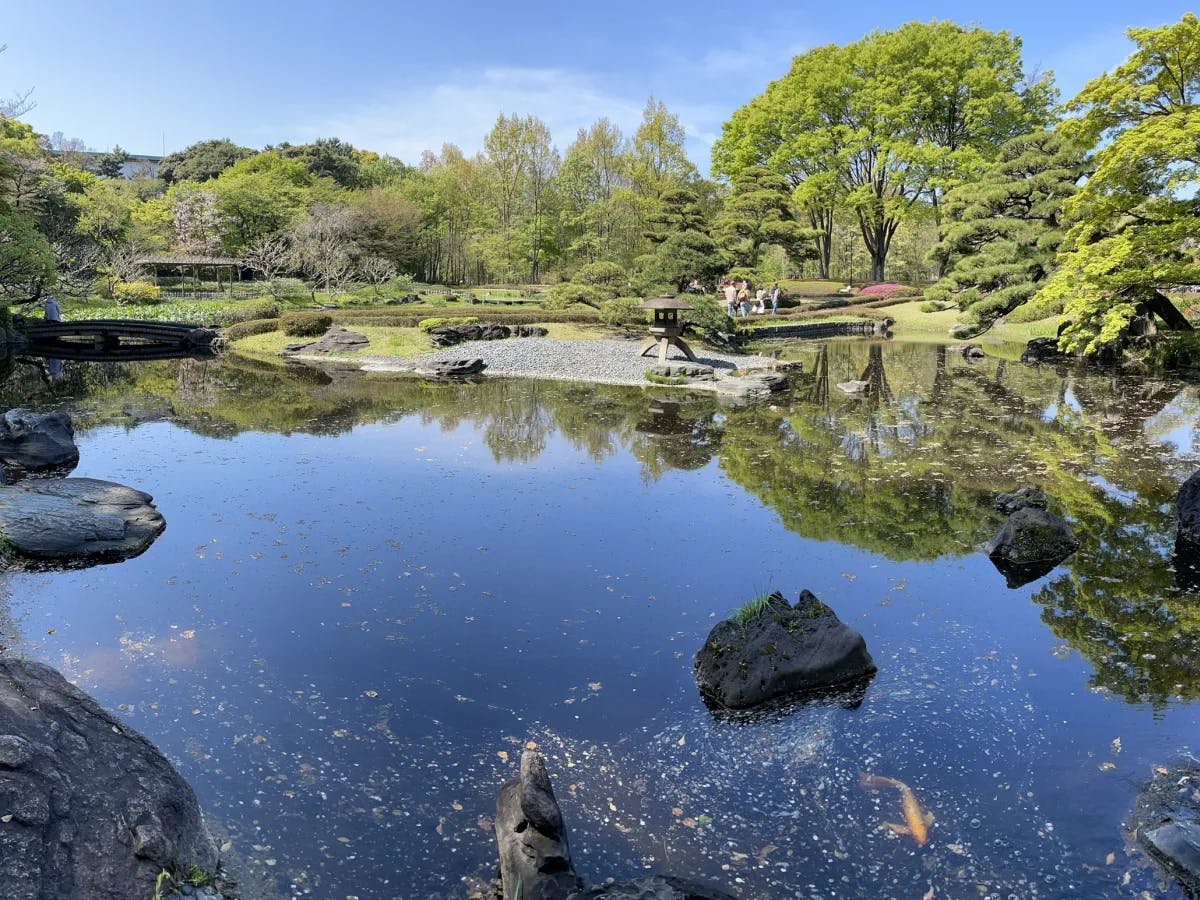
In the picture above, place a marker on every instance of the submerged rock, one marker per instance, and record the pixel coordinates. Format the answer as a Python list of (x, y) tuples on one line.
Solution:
[(90, 808), (1030, 544), (655, 887), (1166, 821), (1020, 499), (1187, 503), (853, 387), (780, 651), (753, 385), (77, 521), (535, 859), (33, 442)]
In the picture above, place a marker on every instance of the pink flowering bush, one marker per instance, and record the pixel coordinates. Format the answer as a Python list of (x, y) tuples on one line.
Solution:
[(880, 290)]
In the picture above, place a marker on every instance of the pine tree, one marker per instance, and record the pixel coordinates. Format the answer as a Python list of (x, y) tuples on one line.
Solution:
[(1003, 231)]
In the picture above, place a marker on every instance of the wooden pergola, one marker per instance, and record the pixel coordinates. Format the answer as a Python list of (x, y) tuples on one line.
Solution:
[(194, 266)]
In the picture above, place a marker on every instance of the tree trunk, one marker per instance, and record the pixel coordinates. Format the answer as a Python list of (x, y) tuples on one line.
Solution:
[(1162, 307)]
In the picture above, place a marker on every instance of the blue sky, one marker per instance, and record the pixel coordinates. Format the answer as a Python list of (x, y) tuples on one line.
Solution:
[(401, 77)]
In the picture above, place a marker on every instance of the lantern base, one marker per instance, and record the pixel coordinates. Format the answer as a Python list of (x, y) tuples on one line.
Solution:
[(663, 344)]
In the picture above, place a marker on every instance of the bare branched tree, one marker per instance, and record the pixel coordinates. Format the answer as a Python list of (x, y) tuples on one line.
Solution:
[(323, 246), (269, 256), (78, 262), (376, 271), (18, 103)]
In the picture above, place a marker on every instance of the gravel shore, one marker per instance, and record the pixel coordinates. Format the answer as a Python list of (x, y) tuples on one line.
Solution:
[(604, 362)]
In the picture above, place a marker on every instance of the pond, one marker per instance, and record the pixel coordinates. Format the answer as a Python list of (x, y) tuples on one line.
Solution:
[(373, 591)]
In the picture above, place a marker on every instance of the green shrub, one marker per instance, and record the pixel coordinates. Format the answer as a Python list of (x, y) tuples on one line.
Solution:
[(707, 314), (563, 295), (306, 324), (1180, 350), (136, 292), (604, 273), (254, 326), (439, 321), (623, 311), (655, 378)]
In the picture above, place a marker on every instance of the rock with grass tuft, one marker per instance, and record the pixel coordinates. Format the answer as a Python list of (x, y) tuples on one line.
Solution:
[(770, 649), (1030, 544)]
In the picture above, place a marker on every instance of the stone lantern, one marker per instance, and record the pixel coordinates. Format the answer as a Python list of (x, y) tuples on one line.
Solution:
[(666, 328)]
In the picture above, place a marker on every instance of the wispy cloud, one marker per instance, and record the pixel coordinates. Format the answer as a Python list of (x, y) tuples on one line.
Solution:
[(461, 110)]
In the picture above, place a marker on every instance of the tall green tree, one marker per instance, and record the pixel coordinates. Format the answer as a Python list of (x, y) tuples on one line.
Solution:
[(1002, 232), (202, 161), (886, 125), (758, 212), (1137, 217)]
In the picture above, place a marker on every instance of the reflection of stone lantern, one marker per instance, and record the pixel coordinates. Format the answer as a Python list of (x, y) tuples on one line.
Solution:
[(666, 327)]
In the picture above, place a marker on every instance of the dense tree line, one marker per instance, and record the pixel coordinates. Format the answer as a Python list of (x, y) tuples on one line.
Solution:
[(926, 150)]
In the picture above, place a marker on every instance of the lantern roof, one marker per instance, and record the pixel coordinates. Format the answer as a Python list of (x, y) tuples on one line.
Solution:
[(665, 303)]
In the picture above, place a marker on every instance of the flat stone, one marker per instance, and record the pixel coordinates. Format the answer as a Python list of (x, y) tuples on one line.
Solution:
[(77, 521), (334, 341), (452, 368), (853, 387)]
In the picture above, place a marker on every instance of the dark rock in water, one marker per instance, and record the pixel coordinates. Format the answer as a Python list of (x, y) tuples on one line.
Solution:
[(693, 371), (1187, 502), (91, 808), (783, 651), (77, 521), (1042, 349), (655, 887), (1020, 499), (1166, 821), (335, 340), (1187, 565), (32, 442), (1030, 544), (452, 368), (534, 852)]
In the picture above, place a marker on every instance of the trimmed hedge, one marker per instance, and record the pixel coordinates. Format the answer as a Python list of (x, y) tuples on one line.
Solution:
[(306, 324), (251, 327), (397, 318)]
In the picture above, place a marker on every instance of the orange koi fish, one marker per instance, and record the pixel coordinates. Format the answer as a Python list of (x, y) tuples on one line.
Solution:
[(916, 820)]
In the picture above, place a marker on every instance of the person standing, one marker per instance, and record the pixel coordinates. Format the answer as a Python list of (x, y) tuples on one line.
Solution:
[(731, 296), (760, 301), (743, 298), (50, 309), (775, 292)]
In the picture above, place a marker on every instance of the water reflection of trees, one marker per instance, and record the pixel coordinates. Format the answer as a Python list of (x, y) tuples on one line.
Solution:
[(908, 471)]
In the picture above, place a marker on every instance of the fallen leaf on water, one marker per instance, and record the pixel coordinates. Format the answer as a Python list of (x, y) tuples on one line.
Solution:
[(503, 754), (485, 824), (51, 630), (259, 739), (1107, 766), (689, 823), (611, 806), (6, 819), (928, 895), (682, 741), (1161, 771), (371, 694), (456, 806), (187, 635), (594, 685), (1116, 745), (677, 812), (531, 745), (1110, 859), (765, 852)]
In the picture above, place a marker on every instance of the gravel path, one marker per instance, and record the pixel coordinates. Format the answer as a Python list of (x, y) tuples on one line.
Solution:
[(605, 361)]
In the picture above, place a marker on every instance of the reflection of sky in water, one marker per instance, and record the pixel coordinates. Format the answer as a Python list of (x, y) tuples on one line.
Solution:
[(344, 641)]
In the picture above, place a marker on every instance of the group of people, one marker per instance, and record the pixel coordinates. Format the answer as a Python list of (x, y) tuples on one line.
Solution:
[(738, 298)]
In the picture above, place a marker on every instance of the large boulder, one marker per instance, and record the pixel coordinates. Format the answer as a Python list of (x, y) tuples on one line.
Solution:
[(1042, 349), (1187, 502), (90, 809), (777, 650), (77, 521), (1030, 544), (32, 442), (535, 858), (449, 335)]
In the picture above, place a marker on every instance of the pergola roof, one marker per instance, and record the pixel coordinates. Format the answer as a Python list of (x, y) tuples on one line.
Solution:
[(184, 260)]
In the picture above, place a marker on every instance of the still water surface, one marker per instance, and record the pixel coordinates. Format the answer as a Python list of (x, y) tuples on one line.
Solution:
[(372, 592)]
